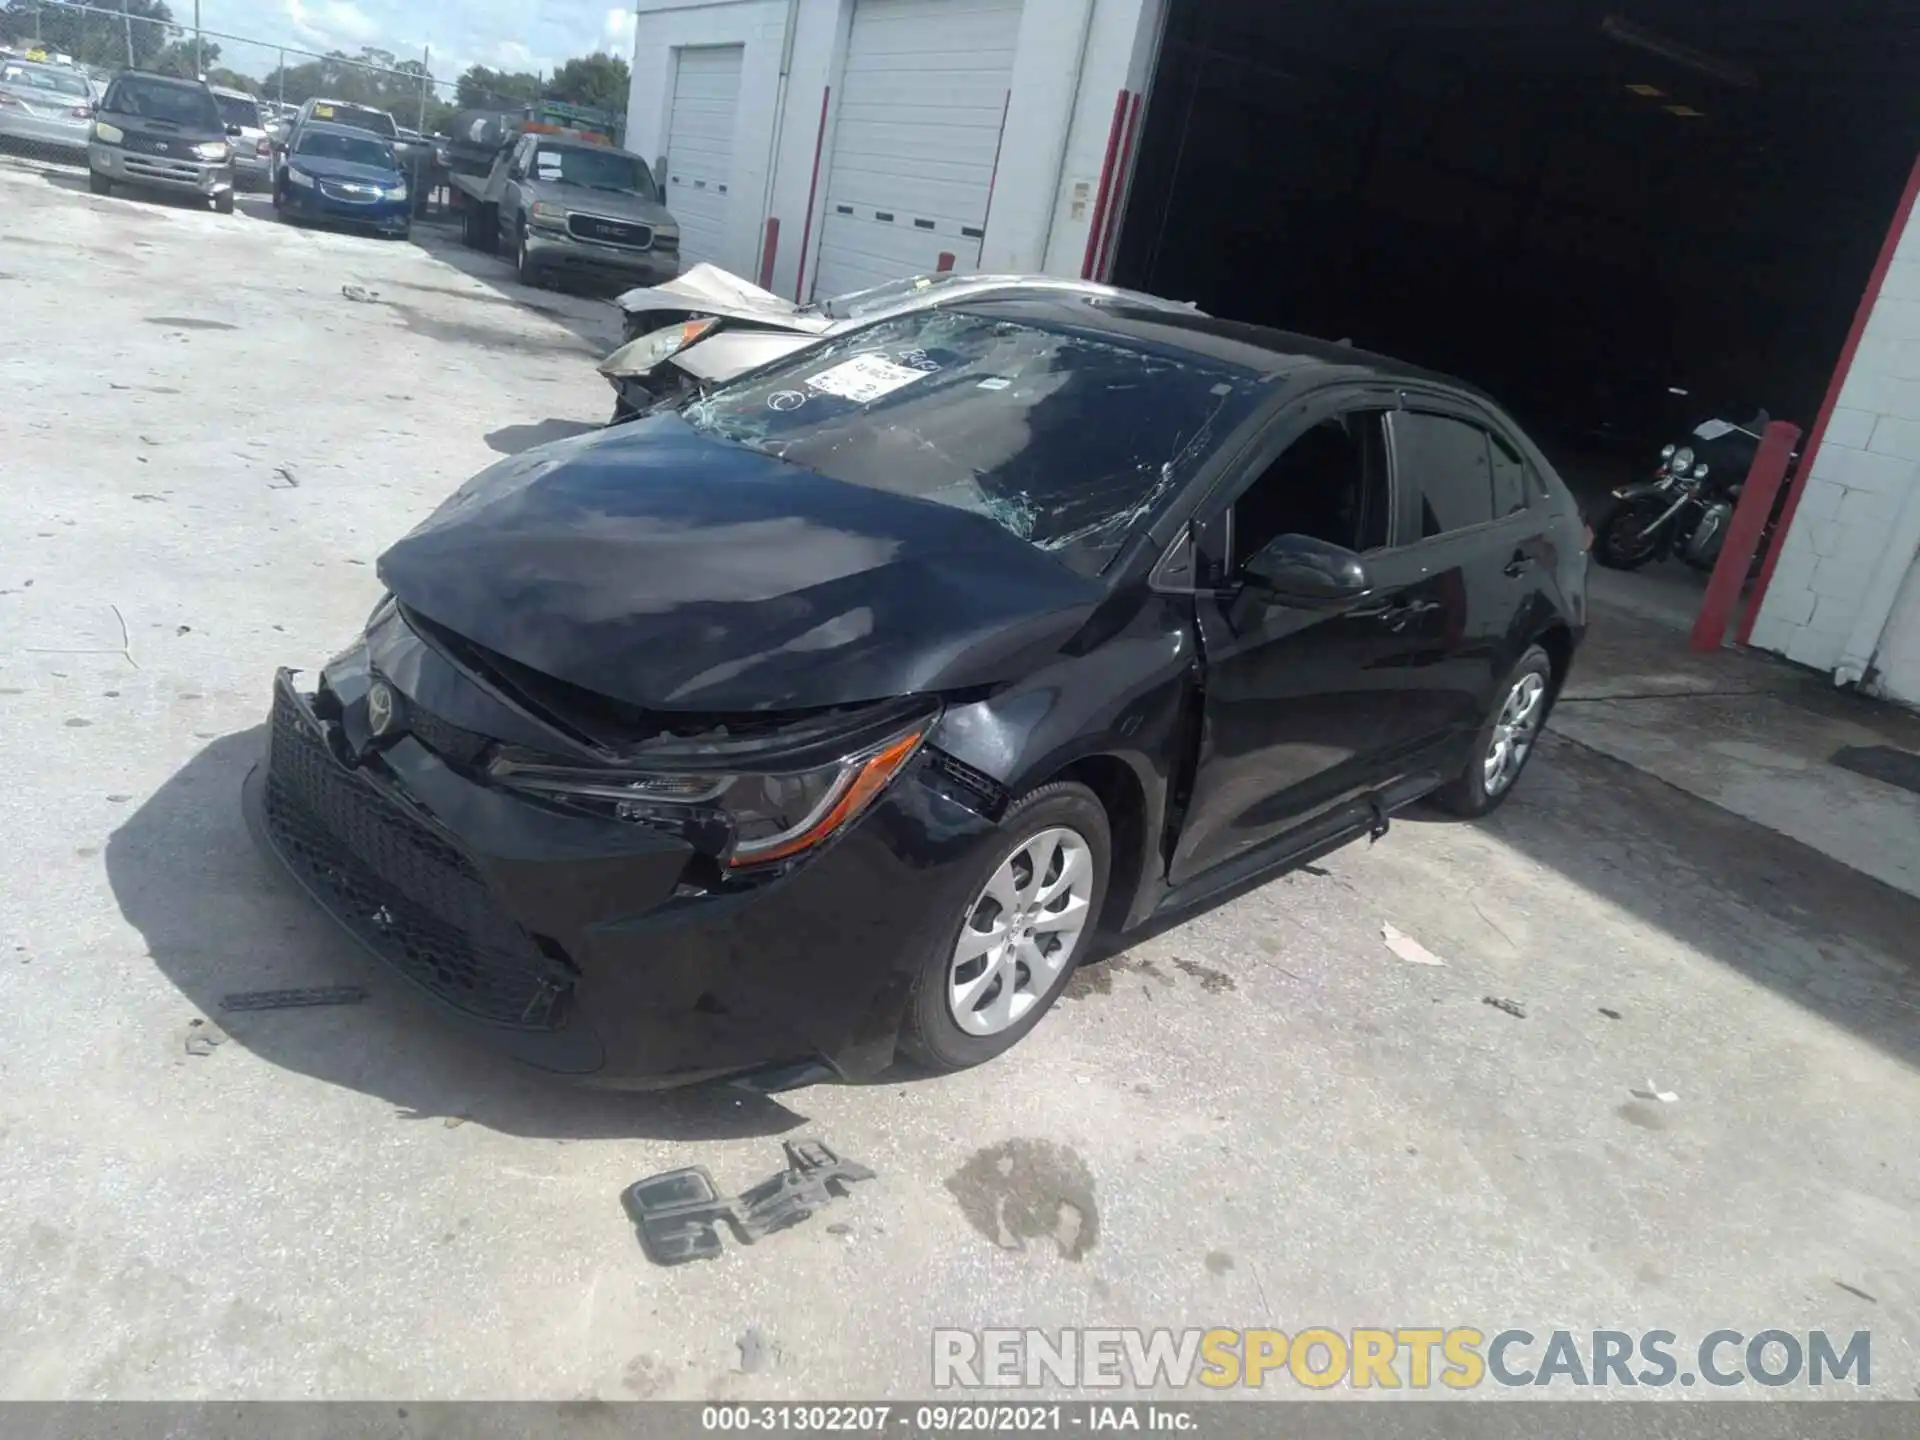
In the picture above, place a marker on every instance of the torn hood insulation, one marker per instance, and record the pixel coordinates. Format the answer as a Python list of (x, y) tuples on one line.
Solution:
[(673, 572)]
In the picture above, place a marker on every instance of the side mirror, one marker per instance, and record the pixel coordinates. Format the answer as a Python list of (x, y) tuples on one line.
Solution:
[(234, 130), (1305, 571)]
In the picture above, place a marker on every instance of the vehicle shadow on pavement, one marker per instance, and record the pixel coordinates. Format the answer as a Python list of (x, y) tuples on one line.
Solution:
[(1763, 904), (512, 439), (219, 918), (590, 315)]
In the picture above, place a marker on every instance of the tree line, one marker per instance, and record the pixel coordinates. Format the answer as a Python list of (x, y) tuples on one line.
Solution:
[(148, 37)]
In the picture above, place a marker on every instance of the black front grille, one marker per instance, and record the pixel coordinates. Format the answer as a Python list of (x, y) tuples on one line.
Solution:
[(409, 893), (610, 232), (168, 145)]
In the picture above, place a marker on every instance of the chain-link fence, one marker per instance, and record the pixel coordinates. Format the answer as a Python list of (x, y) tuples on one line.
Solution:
[(58, 56)]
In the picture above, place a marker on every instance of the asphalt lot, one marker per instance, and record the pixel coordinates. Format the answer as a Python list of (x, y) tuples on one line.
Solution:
[(1264, 1117)]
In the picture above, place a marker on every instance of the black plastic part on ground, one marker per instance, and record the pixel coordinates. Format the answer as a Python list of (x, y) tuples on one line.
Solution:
[(679, 1212)]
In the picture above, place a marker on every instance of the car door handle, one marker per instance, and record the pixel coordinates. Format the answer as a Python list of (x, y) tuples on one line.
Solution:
[(1519, 565), (1397, 615)]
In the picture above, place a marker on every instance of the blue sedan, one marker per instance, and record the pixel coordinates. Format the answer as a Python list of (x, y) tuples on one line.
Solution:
[(334, 173)]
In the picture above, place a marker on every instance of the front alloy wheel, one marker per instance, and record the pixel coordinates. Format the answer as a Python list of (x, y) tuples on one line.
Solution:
[(1021, 930), (1016, 943)]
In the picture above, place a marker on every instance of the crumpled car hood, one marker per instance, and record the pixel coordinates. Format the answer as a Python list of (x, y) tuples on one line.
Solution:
[(708, 290), (673, 572)]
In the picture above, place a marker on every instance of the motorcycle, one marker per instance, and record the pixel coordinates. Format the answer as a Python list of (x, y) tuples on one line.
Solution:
[(1687, 505)]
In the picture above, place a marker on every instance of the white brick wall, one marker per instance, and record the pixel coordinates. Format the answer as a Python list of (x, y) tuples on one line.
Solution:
[(1867, 465)]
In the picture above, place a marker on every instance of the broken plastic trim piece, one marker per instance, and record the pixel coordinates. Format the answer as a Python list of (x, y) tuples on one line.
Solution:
[(294, 999), (679, 1212)]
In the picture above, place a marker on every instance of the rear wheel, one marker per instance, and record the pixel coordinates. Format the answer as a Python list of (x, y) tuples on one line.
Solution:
[(98, 184), (1505, 742), (223, 203), (1036, 895)]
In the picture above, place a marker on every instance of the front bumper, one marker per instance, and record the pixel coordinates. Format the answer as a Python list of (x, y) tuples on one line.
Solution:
[(163, 172), (391, 216), (557, 251), (590, 947)]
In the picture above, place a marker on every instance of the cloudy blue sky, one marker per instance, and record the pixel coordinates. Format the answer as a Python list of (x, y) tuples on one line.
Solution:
[(505, 34)]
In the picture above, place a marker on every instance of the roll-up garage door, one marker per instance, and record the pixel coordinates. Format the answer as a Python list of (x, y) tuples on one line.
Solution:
[(917, 138), (699, 179)]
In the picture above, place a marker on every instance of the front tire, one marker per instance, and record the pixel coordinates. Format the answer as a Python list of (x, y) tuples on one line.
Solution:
[(223, 203), (1503, 745), (523, 267), (98, 184), (1038, 894), (1617, 542)]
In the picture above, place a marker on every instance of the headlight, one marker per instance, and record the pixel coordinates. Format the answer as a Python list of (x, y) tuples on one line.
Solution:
[(1666, 452), (548, 214), (213, 150), (1681, 459), (108, 134), (666, 239), (656, 348), (397, 192), (1700, 472), (742, 819), (299, 177)]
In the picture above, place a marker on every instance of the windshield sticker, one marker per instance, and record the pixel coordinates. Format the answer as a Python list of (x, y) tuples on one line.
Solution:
[(918, 360), (1713, 430), (323, 112), (785, 400), (547, 164), (864, 379), (994, 382)]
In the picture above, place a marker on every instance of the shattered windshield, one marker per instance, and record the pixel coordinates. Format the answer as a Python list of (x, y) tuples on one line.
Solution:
[(1066, 438)]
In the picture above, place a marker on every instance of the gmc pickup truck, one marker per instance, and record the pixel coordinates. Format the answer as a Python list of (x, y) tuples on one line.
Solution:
[(571, 204)]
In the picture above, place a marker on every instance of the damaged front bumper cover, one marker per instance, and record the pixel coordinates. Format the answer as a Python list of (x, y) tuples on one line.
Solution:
[(591, 947)]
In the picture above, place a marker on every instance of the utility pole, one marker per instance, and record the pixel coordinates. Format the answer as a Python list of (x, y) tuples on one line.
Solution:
[(282, 72), (426, 84), (199, 69)]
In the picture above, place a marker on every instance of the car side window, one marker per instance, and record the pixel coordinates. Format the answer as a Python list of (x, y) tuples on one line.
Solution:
[(1445, 469), (1509, 479), (1329, 484)]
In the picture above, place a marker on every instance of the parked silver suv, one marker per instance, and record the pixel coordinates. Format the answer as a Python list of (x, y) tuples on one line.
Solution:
[(247, 129)]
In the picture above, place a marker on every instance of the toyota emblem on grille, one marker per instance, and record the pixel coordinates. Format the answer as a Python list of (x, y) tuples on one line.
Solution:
[(379, 708)]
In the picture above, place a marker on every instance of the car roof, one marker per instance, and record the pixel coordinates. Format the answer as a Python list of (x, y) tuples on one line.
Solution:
[(182, 81), (1258, 348), (231, 93)]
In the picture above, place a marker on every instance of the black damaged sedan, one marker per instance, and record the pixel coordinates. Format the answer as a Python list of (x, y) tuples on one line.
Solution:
[(836, 714)]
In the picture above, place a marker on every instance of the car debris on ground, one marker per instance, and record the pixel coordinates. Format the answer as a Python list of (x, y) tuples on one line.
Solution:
[(678, 1212), (1408, 948)]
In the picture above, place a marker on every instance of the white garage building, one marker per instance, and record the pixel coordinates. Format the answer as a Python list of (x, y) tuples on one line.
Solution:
[(1544, 196), (883, 135)]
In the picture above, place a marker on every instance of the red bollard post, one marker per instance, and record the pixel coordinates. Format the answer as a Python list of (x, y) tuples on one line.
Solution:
[(769, 249), (1764, 478)]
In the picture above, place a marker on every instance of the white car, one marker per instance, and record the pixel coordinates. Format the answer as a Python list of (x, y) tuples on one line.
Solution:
[(709, 325)]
